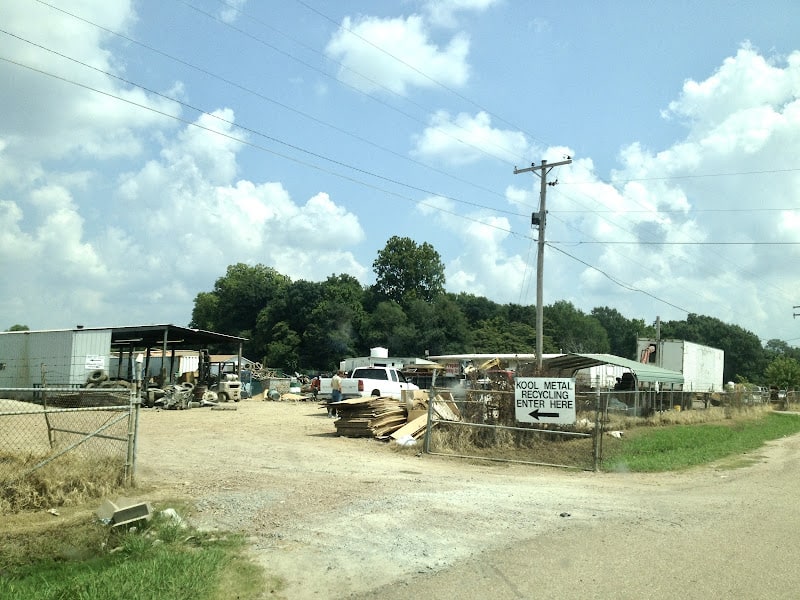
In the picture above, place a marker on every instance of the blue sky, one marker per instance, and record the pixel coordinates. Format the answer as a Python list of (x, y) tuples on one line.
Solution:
[(145, 146)]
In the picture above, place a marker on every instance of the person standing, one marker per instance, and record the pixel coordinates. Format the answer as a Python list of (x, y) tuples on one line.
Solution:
[(336, 392)]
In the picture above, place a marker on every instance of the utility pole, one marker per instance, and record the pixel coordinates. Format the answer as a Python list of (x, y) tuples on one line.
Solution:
[(539, 219)]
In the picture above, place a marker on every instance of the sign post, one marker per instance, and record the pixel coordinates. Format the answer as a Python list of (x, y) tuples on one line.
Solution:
[(544, 400)]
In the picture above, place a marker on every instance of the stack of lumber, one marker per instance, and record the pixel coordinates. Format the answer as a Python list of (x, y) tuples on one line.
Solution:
[(369, 417), (444, 409)]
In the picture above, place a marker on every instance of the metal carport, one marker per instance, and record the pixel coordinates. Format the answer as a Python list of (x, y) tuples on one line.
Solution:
[(643, 372), (168, 338), (657, 377)]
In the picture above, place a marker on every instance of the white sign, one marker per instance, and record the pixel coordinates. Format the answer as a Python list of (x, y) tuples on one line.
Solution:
[(95, 362), (544, 400)]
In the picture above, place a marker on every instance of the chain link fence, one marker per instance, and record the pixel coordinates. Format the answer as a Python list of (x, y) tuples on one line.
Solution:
[(480, 422), (65, 444)]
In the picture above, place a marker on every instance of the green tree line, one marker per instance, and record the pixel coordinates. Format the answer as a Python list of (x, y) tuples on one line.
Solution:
[(311, 326)]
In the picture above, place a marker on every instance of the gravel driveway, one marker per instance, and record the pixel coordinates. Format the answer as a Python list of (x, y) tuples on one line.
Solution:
[(357, 518)]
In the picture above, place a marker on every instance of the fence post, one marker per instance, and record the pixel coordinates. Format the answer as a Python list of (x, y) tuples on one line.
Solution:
[(598, 434), (133, 423), (51, 436), (426, 445)]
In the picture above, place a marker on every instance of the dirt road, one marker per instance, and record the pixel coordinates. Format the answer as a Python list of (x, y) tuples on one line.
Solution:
[(357, 518)]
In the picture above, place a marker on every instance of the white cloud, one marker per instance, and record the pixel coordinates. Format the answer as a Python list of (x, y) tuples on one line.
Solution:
[(50, 118), (742, 119), (464, 139), (443, 12), (482, 265), (209, 215), (230, 12), (183, 218), (743, 83), (395, 54)]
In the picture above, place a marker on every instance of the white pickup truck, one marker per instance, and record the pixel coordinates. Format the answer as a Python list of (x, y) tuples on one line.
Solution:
[(368, 381)]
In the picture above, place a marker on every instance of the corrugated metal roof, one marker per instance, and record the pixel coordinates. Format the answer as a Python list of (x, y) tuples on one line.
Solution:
[(151, 335), (644, 372)]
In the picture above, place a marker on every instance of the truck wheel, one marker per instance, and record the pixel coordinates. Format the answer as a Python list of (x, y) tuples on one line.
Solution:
[(222, 396), (376, 392)]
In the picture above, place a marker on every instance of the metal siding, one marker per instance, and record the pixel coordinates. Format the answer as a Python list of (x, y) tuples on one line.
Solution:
[(702, 366), (189, 364), (13, 349), (53, 350), (95, 342), (671, 356)]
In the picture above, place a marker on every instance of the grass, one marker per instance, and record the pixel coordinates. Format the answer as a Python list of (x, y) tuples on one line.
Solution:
[(677, 447), (530, 446), (84, 559), (70, 480)]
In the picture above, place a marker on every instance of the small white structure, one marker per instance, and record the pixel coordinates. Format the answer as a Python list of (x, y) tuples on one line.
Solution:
[(66, 356), (379, 357)]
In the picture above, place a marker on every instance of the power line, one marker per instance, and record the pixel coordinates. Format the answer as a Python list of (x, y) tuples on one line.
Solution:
[(301, 162), (290, 56), (650, 243), (480, 149), (256, 132), (693, 176), (617, 281), (316, 167), (681, 211), (420, 72), (616, 223), (271, 151)]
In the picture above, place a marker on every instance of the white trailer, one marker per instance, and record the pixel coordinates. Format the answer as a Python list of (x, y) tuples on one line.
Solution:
[(702, 366)]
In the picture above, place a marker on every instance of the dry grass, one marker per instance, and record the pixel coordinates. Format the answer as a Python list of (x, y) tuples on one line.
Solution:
[(541, 447), (70, 480), (534, 446), (713, 414)]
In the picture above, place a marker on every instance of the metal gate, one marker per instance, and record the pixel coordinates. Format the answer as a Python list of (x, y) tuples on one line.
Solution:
[(482, 425), (80, 439)]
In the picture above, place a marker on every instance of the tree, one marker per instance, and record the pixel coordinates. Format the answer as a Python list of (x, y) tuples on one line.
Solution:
[(235, 303), (336, 321), (406, 271), (292, 305), (775, 348), (205, 311), (440, 326), (18, 327), (572, 330), (506, 337), (744, 354), (476, 308), (622, 333), (383, 325), (783, 373), (283, 350)]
